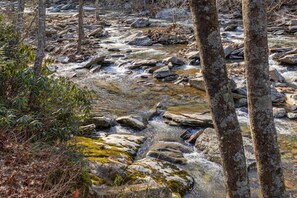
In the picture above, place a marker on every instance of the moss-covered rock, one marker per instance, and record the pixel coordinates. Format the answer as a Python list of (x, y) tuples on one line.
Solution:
[(163, 173)]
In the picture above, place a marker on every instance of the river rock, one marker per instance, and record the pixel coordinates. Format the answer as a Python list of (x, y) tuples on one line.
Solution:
[(198, 83), (163, 173), (131, 122), (291, 99), (102, 122), (163, 72), (173, 13), (193, 55), (97, 60), (277, 96), (228, 49), (143, 63), (194, 137), (87, 129), (292, 115), (140, 23), (138, 40), (110, 154), (279, 112), (99, 32), (209, 144), (174, 61), (169, 151), (147, 189), (289, 59), (188, 120), (276, 76)]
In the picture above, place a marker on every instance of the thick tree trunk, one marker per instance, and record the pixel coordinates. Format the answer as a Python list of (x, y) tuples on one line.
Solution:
[(41, 39), (259, 100), (20, 18), (80, 26), (205, 19)]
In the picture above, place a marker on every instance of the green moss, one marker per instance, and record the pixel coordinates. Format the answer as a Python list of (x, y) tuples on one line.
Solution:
[(96, 180)]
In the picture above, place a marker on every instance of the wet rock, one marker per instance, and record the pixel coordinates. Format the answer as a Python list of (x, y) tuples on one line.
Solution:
[(97, 60), (277, 96), (289, 59), (163, 72), (189, 120), (169, 151), (95, 68), (276, 76), (241, 102), (228, 49), (174, 61), (140, 23), (209, 144), (102, 122), (161, 172), (139, 40), (70, 6), (63, 59), (131, 122), (291, 99), (173, 13), (279, 112), (193, 55), (195, 136), (99, 32), (198, 83), (143, 63), (292, 115), (148, 189), (231, 27), (186, 135)]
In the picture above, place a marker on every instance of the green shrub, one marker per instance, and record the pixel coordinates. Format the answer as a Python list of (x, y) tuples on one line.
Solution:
[(60, 105)]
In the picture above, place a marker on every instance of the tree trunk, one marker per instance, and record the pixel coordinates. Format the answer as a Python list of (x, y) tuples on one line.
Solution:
[(97, 10), (41, 39), (259, 100), (205, 19), (20, 18), (80, 25)]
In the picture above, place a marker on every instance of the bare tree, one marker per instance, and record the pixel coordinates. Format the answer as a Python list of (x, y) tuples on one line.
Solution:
[(97, 10), (41, 38), (20, 18), (259, 99), (205, 20), (80, 25)]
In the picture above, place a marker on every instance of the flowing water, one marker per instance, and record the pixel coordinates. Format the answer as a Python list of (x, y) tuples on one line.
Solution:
[(119, 92)]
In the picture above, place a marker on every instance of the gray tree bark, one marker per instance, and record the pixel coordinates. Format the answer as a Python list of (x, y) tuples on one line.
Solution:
[(80, 25), (259, 100), (41, 38), (20, 18), (206, 27), (97, 10)]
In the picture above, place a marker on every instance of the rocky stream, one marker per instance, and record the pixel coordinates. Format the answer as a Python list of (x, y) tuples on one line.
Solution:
[(151, 124)]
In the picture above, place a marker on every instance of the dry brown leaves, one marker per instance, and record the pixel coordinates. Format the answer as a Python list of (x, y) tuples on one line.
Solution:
[(24, 172)]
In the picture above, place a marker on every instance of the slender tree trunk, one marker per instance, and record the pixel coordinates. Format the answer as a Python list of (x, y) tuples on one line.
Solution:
[(97, 10), (259, 100), (20, 18), (80, 25), (205, 19), (41, 38)]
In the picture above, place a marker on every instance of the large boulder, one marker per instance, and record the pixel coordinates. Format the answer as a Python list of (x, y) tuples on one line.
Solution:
[(209, 144), (163, 173)]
